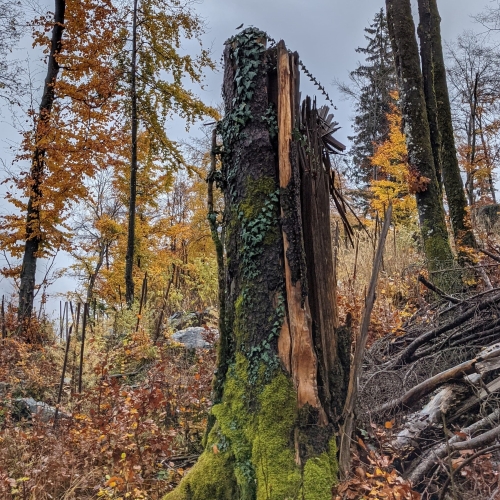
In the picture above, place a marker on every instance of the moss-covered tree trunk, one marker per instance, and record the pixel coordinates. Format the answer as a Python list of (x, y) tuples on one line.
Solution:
[(416, 127), (424, 34), (282, 370), (441, 126)]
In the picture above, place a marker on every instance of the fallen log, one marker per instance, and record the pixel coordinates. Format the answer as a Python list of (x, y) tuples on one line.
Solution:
[(487, 361), (419, 391), (418, 422), (432, 457)]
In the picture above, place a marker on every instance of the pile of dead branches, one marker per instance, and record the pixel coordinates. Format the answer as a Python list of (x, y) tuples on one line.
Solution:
[(437, 387)]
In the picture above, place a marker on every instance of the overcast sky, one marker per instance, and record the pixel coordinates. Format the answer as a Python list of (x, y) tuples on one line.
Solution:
[(324, 32)]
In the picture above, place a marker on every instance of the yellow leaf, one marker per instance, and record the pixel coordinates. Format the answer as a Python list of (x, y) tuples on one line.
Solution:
[(389, 424)]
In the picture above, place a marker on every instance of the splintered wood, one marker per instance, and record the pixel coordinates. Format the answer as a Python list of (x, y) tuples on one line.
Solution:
[(308, 331), (303, 358)]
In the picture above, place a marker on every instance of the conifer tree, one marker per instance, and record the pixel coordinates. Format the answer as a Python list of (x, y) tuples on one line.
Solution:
[(370, 87)]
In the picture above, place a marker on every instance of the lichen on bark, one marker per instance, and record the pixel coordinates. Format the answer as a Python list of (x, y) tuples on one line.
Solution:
[(442, 134)]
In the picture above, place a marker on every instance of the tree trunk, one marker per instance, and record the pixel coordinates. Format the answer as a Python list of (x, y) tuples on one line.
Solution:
[(437, 97), (282, 366), (489, 162), (93, 275), (416, 126), (33, 230), (425, 36), (129, 258)]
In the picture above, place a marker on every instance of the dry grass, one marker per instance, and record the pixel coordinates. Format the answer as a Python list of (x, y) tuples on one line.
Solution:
[(398, 290)]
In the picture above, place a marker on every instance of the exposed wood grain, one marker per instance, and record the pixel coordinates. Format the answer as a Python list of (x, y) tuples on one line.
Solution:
[(303, 357)]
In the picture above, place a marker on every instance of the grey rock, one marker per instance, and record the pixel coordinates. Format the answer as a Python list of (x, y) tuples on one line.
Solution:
[(29, 407), (192, 338)]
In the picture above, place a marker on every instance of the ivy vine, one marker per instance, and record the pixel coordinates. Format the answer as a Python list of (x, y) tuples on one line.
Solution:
[(249, 47)]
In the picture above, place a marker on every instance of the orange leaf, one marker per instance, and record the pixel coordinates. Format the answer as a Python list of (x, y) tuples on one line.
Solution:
[(361, 443)]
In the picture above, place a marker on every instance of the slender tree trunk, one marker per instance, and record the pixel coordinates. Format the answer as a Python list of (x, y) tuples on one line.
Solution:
[(487, 157), (416, 124), (436, 94), (93, 276), (426, 56), (33, 231), (273, 428), (472, 141), (129, 259)]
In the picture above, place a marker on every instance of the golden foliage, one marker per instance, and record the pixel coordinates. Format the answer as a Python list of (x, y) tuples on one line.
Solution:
[(395, 181)]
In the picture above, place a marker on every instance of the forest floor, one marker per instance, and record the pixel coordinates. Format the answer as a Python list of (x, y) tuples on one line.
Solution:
[(138, 424)]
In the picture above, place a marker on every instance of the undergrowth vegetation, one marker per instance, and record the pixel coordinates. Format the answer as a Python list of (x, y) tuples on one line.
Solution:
[(138, 425), (132, 433)]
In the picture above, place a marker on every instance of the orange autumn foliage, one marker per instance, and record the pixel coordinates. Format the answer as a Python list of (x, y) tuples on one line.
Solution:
[(80, 135), (396, 181)]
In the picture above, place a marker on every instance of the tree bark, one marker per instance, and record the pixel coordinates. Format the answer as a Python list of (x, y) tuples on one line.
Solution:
[(273, 427), (129, 258), (416, 126), (34, 237), (439, 114), (426, 56)]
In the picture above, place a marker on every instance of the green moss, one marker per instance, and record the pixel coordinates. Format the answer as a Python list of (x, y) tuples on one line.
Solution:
[(258, 191), (320, 474), (236, 425), (240, 332), (278, 476), (211, 478), (260, 438), (254, 439)]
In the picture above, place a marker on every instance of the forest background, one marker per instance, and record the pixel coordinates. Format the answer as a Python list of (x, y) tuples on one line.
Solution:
[(341, 30), (138, 404)]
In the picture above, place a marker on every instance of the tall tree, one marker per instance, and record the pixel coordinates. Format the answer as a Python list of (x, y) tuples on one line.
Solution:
[(129, 258), (71, 134), (440, 120), (474, 76), (158, 69), (33, 213), (429, 201), (370, 87)]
